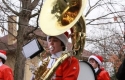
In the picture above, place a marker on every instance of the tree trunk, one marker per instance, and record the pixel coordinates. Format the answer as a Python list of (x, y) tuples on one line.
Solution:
[(26, 8), (20, 59)]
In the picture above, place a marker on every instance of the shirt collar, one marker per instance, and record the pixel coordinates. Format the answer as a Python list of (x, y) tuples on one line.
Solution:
[(57, 55), (1, 63), (96, 69)]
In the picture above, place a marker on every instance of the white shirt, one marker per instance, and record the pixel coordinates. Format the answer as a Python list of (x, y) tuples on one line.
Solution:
[(1, 63), (53, 59), (96, 69)]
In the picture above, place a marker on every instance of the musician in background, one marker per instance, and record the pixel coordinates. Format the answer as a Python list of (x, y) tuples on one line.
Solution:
[(96, 62), (69, 69), (5, 71)]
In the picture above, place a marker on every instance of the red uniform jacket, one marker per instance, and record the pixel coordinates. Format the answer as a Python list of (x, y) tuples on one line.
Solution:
[(103, 75), (5, 73), (68, 70)]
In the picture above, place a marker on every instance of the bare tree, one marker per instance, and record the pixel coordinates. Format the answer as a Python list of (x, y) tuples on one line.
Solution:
[(25, 13)]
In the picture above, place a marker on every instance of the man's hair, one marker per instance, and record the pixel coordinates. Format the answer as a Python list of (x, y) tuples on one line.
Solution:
[(3, 60), (62, 44), (97, 63)]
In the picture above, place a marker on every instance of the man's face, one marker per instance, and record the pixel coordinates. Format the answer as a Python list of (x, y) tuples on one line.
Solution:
[(93, 63), (55, 43)]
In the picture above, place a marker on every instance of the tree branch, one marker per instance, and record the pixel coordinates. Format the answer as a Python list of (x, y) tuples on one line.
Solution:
[(103, 16), (33, 4), (16, 13), (33, 15)]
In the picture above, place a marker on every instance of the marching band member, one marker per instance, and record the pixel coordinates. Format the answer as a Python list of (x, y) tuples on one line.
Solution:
[(96, 62), (69, 69), (5, 71)]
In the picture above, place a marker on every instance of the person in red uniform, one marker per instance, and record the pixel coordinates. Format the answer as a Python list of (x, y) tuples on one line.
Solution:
[(5, 71), (96, 62), (69, 69)]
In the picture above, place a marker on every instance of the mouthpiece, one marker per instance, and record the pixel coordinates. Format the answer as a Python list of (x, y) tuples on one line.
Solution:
[(51, 48)]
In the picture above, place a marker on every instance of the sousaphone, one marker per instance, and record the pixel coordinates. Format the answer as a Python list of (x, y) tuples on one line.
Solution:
[(57, 17)]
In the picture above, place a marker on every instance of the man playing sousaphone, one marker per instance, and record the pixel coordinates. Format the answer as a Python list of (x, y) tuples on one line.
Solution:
[(62, 65), (69, 69)]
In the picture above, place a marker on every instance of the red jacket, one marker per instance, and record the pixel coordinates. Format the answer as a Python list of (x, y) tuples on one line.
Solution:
[(68, 70), (5, 73), (103, 75)]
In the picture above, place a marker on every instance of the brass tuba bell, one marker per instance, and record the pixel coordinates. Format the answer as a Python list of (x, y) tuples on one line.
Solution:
[(58, 16)]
